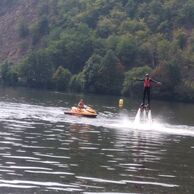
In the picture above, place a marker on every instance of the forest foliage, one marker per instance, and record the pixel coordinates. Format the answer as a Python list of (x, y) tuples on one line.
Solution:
[(102, 46)]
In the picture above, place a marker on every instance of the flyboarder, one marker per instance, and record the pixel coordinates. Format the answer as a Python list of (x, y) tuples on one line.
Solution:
[(81, 104), (146, 93)]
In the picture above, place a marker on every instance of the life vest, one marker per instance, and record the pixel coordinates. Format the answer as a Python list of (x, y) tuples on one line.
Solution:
[(147, 83), (81, 105)]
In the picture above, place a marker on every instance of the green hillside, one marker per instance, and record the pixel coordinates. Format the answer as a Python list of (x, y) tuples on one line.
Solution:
[(102, 46)]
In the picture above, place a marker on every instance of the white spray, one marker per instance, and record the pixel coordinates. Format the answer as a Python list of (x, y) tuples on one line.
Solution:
[(143, 116), (137, 117), (149, 117)]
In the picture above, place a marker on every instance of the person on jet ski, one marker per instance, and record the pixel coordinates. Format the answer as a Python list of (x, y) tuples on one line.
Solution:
[(81, 104), (146, 92)]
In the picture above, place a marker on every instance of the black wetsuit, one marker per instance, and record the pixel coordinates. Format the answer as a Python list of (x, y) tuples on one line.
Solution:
[(146, 92)]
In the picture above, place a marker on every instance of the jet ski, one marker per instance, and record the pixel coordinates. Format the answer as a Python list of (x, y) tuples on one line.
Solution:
[(85, 112)]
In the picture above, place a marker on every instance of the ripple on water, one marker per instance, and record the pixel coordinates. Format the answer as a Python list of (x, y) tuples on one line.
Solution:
[(69, 154)]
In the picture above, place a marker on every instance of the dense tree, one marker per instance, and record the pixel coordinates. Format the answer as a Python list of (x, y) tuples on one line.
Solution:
[(104, 74), (91, 72), (127, 50), (77, 82), (72, 50), (37, 70), (97, 44), (62, 78)]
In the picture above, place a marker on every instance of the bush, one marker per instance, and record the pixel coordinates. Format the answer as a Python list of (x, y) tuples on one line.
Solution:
[(9, 75)]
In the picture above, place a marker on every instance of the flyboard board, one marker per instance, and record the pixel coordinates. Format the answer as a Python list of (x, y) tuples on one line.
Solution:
[(144, 114)]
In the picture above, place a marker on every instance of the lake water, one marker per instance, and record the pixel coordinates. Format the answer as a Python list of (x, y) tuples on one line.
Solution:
[(44, 151)]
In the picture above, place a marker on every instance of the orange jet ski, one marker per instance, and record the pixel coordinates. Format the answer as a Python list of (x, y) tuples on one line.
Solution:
[(85, 112)]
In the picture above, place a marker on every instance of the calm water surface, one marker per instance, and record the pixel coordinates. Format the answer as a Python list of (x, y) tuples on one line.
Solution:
[(44, 151)]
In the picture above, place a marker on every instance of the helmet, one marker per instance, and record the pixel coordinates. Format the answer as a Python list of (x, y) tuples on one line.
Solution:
[(146, 75)]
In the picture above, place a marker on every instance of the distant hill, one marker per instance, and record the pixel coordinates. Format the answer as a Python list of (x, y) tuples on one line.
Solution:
[(12, 14), (99, 46)]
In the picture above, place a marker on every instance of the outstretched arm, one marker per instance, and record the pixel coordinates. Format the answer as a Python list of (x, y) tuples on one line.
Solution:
[(139, 79), (156, 82)]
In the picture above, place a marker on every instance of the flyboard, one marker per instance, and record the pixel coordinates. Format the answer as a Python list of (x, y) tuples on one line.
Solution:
[(143, 115)]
